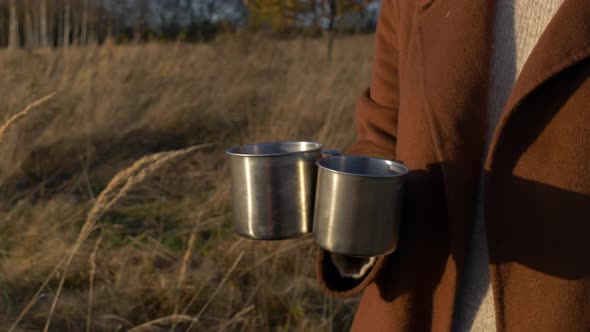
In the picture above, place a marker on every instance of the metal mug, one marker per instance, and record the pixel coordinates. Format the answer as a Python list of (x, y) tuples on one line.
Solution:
[(273, 188), (358, 205)]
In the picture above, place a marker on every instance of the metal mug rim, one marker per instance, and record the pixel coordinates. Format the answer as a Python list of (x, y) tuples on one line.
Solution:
[(405, 169), (319, 147)]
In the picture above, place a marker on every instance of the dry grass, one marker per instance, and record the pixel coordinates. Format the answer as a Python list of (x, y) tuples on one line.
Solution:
[(164, 256), (13, 119)]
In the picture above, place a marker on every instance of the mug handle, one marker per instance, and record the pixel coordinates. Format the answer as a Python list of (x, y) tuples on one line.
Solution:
[(327, 153)]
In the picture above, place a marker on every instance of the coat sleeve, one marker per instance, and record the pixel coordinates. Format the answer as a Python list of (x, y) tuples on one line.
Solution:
[(376, 126), (376, 109)]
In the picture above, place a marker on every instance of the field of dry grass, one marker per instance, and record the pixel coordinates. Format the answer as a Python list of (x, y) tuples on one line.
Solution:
[(156, 252)]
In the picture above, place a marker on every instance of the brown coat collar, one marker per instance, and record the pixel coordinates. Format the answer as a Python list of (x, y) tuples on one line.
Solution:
[(454, 45), (455, 49), (565, 42)]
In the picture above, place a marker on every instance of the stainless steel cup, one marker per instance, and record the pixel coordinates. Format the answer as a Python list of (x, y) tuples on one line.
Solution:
[(273, 187), (358, 205)]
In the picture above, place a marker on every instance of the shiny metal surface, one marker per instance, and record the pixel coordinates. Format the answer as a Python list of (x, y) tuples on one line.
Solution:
[(326, 153), (273, 187), (358, 205)]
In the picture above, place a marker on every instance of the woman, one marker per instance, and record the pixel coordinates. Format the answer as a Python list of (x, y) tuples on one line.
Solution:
[(488, 103)]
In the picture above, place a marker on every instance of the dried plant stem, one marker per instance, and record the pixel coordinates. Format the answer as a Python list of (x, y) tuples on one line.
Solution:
[(117, 188), (185, 262), (91, 282), (13, 119), (234, 246), (117, 318), (223, 326), (276, 253), (196, 294), (147, 326), (35, 296), (227, 274)]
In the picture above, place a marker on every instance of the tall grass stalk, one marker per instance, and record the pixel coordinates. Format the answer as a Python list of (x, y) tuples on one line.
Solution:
[(115, 190), (16, 117)]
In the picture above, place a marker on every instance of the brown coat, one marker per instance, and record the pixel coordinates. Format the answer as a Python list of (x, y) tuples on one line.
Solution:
[(426, 108)]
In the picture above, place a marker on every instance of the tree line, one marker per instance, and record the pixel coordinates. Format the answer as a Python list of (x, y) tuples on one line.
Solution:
[(65, 23)]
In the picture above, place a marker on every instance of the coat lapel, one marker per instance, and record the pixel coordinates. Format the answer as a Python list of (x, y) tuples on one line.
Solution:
[(454, 39), (454, 47), (565, 42)]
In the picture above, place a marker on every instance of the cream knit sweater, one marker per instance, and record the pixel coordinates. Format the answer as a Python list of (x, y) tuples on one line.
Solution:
[(518, 25)]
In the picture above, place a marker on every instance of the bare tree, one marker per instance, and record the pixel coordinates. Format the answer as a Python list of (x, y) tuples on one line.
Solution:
[(84, 23), (142, 9), (75, 22), (109, 19), (93, 23), (35, 18), (331, 30), (337, 8), (48, 23), (43, 23), (29, 34), (13, 38), (3, 34), (28, 40), (67, 19)]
